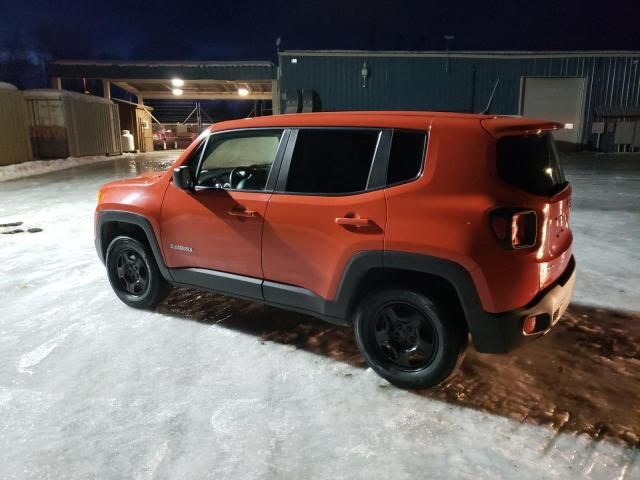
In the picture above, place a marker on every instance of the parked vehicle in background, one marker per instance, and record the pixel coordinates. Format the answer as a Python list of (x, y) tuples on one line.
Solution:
[(159, 137), (174, 136), (420, 229)]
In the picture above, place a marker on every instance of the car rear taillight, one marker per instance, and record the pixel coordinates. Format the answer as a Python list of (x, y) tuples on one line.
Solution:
[(514, 228)]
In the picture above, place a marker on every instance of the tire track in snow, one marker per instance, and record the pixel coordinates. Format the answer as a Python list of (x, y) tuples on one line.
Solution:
[(38, 354), (149, 470)]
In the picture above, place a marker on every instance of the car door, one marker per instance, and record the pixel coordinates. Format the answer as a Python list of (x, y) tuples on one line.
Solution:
[(327, 207), (218, 225)]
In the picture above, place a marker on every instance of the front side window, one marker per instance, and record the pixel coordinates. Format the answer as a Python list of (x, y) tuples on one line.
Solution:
[(331, 161), (239, 161)]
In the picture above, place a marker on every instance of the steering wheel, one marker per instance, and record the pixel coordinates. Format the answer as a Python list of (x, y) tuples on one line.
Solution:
[(241, 172)]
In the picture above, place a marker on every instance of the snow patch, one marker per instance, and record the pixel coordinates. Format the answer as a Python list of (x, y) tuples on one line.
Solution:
[(35, 356), (38, 167), (232, 412)]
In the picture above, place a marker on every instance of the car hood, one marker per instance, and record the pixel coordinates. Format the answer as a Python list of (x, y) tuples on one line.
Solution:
[(144, 179)]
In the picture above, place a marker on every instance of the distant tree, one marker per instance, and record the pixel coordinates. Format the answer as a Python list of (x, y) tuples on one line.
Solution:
[(68, 40), (21, 65)]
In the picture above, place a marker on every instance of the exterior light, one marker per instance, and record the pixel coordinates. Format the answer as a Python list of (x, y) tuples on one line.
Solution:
[(294, 60), (177, 92), (243, 92), (365, 74), (568, 126), (177, 82)]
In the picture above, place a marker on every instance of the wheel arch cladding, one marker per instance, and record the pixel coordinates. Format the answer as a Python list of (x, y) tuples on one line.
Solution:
[(457, 280), (112, 223)]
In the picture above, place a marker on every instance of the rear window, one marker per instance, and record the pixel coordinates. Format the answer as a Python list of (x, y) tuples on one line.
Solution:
[(405, 158), (530, 163), (331, 161)]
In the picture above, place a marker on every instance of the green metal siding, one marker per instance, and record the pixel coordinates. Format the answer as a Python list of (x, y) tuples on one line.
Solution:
[(421, 82)]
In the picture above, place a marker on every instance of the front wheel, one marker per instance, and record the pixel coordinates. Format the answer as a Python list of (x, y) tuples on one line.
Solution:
[(134, 274), (408, 339)]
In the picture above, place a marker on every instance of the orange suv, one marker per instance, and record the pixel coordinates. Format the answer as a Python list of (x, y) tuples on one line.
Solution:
[(420, 229)]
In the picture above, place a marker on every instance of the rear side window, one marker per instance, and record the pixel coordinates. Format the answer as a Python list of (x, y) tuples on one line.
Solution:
[(530, 163), (331, 161), (406, 156)]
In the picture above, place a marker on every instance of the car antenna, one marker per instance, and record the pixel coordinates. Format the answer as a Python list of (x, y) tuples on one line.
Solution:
[(493, 92)]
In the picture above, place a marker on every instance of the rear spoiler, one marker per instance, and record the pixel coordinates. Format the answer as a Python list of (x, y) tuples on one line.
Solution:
[(499, 127)]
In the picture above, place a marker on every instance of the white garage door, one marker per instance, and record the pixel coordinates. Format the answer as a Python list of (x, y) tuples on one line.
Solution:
[(557, 99)]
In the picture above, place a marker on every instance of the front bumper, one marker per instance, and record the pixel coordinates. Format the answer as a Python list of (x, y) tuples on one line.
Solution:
[(503, 332)]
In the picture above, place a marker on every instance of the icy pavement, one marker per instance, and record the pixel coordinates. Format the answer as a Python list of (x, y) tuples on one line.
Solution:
[(605, 219), (214, 388)]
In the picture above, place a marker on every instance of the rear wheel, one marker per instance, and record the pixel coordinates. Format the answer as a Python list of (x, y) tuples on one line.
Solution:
[(134, 274), (408, 339)]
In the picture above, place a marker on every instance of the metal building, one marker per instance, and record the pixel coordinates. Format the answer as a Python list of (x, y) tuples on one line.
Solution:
[(67, 124), (14, 126), (596, 94)]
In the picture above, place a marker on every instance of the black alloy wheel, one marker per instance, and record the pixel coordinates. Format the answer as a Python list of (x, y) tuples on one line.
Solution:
[(405, 336), (134, 274), (409, 339)]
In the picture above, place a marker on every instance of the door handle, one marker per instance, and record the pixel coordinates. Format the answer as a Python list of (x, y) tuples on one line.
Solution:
[(353, 222), (241, 213)]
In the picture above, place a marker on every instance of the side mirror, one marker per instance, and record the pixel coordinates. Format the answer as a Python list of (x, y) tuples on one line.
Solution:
[(183, 178)]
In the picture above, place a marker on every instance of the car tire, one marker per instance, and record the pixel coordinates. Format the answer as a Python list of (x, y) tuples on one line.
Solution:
[(408, 339), (134, 274)]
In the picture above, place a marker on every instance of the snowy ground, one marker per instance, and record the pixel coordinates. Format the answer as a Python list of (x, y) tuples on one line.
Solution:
[(211, 388), (39, 167)]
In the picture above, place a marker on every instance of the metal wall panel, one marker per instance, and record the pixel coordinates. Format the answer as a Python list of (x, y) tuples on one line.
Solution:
[(70, 124), (460, 81), (14, 126)]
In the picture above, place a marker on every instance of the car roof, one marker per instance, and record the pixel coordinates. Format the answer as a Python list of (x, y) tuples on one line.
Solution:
[(411, 119), (496, 125)]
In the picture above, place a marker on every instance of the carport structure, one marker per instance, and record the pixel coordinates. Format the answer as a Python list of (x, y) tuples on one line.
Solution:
[(176, 79)]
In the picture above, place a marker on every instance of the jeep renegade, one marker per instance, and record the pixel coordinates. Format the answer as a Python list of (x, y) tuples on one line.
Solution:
[(420, 229)]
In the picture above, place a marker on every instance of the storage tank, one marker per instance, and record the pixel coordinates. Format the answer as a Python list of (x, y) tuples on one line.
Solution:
[(67, 124), (128, 144), (14, 126)]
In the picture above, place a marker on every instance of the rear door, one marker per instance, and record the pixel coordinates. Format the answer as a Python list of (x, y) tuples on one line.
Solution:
[(329, 205), (530, 163)]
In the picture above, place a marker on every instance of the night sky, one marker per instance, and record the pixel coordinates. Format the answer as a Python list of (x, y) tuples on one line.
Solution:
[(212, 30)]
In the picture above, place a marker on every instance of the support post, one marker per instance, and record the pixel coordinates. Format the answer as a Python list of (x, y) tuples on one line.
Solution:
[(275, 97), (106, 89), (56, 83)]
